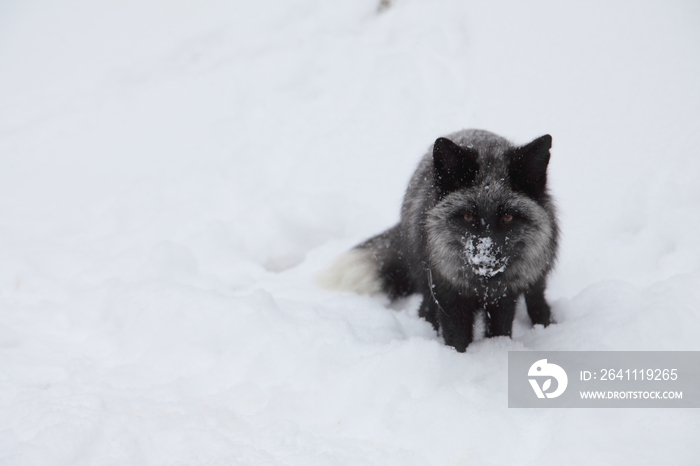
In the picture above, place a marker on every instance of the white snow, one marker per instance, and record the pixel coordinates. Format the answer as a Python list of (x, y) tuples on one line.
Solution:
[(174, 174)]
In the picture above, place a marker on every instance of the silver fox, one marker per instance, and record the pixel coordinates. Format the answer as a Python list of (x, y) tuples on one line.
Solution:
[(478, 228)]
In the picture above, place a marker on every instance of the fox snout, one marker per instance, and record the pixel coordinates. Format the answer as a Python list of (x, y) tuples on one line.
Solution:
[(484, 256)]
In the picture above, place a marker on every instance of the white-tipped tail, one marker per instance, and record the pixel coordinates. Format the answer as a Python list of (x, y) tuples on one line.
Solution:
[(355, 270)]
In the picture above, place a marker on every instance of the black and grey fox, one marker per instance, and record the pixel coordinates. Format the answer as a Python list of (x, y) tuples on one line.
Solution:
[(478, 228)]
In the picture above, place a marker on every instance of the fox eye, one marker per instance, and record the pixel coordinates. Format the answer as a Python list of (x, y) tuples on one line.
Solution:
[(507, 218), (469, 217)]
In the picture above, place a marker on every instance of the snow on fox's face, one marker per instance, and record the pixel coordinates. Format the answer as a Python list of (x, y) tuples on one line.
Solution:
[(484, 257)]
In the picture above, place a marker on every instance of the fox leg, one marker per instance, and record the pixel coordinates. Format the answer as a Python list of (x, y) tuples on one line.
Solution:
[(500, 316), (537, 307)]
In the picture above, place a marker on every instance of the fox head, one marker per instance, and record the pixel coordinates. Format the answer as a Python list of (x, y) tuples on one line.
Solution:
[(493, 220)]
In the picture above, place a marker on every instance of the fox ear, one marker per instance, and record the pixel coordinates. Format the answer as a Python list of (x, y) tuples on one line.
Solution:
[(455, 167), (528, 166)]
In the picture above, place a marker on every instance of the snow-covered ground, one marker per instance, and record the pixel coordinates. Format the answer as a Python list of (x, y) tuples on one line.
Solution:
[(174, 174)]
